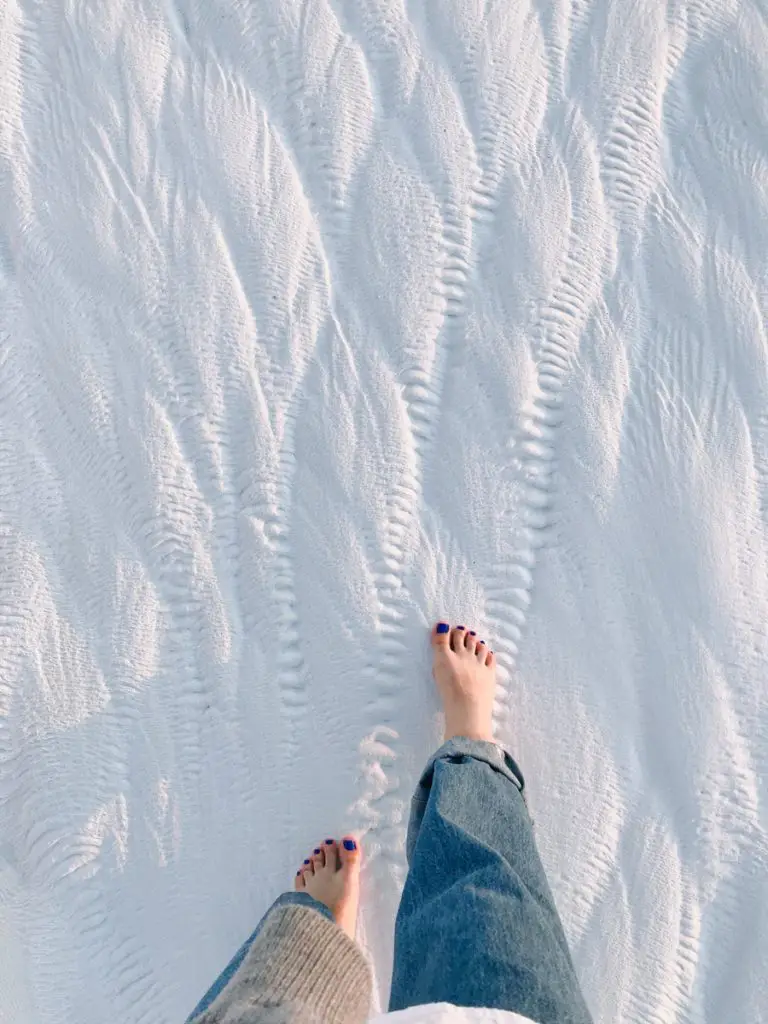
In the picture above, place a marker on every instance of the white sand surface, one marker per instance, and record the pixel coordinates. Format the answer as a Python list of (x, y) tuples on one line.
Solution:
[(321, 320)]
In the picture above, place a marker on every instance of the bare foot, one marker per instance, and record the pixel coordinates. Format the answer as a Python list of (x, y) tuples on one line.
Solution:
[(465, 673), (332, 876)]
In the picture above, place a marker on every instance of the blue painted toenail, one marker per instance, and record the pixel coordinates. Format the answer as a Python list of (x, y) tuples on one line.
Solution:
[(482, 641), (298, 872), (317, 850), (443, 627), (350, 844), (459, 627), (306, 862), (329, 842), (472, 632)]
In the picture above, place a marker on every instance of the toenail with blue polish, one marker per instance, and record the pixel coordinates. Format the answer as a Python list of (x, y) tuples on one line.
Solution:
[(472, 632), (329, 842), (306, 862), (482, 641), (443, 627), (350, 844), (459, 627), (317, 850)]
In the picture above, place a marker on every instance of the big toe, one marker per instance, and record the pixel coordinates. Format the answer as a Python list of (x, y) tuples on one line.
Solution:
[(441, 635), (349, 854)]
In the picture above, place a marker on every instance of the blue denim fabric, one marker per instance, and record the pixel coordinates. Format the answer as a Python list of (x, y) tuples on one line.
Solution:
[(477, 924)]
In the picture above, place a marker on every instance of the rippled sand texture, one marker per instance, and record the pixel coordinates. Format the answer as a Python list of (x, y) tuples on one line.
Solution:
[(319, 321)]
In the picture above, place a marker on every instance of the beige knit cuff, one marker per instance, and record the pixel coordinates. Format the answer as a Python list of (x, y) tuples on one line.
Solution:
[(302, 959)]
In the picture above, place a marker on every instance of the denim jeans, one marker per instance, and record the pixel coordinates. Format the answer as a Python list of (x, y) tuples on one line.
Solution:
[(477, 924)]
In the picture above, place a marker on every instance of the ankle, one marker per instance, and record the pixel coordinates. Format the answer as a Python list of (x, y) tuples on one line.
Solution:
[(484, 736)]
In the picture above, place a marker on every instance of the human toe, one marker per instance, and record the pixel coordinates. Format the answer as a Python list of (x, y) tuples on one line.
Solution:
[(349, 853), (441, 635), (331, 851), (459, 639)]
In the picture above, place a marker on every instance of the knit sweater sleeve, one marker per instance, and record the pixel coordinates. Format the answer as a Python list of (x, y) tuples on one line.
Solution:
[(300, 969)]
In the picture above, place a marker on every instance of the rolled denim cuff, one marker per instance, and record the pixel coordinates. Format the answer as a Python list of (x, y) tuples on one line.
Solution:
[(484, 750)]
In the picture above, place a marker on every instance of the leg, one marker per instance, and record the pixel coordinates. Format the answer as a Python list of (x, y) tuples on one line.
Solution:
[(328, 882), (302, 899), (477, 924)]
